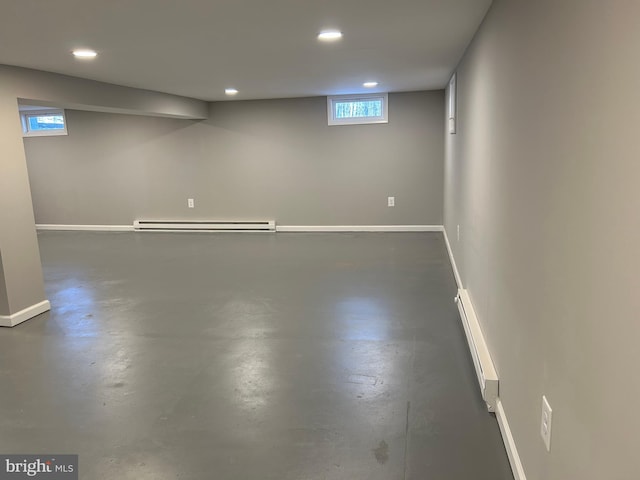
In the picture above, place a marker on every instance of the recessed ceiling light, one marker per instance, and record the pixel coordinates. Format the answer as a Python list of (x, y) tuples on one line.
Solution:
[(84, 53), (329, 35), (370, 84), (230, 91)]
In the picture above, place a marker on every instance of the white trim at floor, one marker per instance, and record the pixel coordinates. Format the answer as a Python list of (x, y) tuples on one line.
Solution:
[(509, 443), (279, 228), (24, 315), (91, 228), (453, 260), (501, 416), (359, 228)]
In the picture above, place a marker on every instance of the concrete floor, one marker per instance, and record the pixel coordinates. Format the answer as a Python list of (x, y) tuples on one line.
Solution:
[(248, 356)]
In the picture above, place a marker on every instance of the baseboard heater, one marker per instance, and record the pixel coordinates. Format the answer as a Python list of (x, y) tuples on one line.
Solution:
[(486, 373), (203, 226)]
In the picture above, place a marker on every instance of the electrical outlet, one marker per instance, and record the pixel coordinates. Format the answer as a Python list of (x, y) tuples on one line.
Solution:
[(458, 232), (391, 201), (545, 423), (190, 203)]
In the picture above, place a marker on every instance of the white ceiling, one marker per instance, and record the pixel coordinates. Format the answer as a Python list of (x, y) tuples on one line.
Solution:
[(264, 48)]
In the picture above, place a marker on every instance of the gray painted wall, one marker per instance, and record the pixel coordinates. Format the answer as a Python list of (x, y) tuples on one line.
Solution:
[(272, 159), (542, 178), (21, 272), (4, 300)]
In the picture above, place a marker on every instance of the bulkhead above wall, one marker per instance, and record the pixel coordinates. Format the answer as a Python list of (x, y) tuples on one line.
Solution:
[(51, 89)]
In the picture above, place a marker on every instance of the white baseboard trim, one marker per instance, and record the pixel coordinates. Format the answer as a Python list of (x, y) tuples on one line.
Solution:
[(24, 315), (456, 273), (501, 416), (359, 228), (90, 228), (279, 228), (509, 443)]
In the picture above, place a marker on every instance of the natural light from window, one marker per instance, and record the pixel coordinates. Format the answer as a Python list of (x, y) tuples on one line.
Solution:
[(46, 122), (357, 109), (41, 123)]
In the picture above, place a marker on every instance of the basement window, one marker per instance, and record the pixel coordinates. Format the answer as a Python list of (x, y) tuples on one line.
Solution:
[(358, 109), (38, 123)]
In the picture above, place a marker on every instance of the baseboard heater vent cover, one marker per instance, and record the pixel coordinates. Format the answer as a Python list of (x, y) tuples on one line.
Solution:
[(203, 226), (486, 373)]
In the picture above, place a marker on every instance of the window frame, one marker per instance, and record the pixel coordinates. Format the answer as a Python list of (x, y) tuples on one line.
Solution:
[(27, 132), (333, 99)]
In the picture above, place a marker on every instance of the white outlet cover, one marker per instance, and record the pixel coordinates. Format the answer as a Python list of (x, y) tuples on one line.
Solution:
[(190, 203), (391, 201), (545, 423)]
